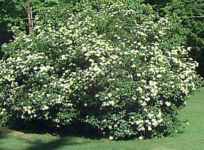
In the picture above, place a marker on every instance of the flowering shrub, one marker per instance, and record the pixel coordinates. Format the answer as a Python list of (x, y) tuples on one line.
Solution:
[(110, 68)]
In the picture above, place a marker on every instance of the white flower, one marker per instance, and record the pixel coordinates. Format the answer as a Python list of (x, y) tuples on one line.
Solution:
[(45, 107), (112, 103), (69, 104), (141, 129), (147, 99), (134, 66), (150, 115), (138, 74), (144, 104), (110, 95), (139, 122), (159, 115), (139, 89), (111, 138), (159, 76), (168, 104), (149, 128), (155, 123)]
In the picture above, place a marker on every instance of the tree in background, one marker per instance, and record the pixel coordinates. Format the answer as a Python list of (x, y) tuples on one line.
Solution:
[(10, 15), (191, 14), (19, 13)]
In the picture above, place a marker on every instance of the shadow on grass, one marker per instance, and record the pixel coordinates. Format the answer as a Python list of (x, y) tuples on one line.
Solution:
[(55, 144), (4, 132), (38, 136), (76, 129), (41, 143)]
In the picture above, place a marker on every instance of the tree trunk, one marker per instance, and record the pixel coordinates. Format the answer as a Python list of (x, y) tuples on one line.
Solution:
[(29, 16)]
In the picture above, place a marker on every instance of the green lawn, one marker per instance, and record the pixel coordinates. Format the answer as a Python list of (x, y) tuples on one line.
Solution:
[(191, 139)]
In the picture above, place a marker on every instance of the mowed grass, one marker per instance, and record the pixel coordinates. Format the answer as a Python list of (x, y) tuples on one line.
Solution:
[(191, 139)]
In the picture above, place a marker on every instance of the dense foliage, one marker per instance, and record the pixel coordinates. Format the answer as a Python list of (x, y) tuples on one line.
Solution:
[(191, 14), (117, 67)]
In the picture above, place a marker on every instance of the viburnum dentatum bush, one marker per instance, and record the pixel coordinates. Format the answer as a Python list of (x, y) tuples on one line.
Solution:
[(119, 72)]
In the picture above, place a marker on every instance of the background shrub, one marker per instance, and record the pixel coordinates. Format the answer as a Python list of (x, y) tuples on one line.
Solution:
[(117, 67)]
